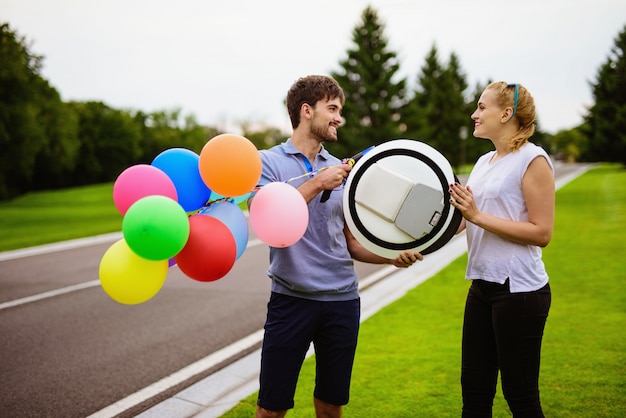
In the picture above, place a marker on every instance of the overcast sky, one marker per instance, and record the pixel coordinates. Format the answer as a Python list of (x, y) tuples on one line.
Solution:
[(232, 61)]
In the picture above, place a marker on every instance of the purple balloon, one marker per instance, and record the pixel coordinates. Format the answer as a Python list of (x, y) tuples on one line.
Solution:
[(234, 219)]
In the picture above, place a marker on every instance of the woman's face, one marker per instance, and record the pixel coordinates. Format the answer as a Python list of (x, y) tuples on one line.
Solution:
[(488, 116)]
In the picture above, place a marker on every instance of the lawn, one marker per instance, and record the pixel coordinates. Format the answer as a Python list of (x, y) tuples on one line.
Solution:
[(408, 359), (52, 216)]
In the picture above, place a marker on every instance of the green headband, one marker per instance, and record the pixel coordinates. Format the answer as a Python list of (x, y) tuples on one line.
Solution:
[(515, 98)]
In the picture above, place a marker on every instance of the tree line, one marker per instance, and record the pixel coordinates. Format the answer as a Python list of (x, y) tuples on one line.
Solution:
[(379, 105), (48, 143)]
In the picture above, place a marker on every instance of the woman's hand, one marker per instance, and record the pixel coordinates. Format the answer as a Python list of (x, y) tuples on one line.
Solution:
[(462, 198)]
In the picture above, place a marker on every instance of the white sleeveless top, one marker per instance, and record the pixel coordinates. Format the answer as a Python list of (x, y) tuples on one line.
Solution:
[(497, 190)]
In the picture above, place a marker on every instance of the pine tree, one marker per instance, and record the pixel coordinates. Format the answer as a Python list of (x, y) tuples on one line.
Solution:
[(437, 113), (373, 99), (606, 120), (421, 113), (475, 147), (455, 119)]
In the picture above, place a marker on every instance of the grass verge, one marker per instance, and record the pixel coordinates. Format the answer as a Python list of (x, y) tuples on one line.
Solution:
[(52, 216), (408, 359)]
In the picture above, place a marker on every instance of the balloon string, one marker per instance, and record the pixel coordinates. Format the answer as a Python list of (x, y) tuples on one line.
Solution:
[(223, 199), (309, 174)]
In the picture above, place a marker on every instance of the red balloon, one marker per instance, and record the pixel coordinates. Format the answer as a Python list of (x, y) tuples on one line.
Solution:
[(210, 251)]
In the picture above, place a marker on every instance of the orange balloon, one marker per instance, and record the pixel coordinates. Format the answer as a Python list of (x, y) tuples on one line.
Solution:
[(230, 165)]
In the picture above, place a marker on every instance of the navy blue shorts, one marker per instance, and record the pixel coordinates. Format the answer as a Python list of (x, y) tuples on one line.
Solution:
[(292, 324)]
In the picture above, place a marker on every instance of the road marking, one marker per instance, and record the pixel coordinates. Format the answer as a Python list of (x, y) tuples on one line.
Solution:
[(63, 247), (180, 376), (60, 246), (49, 294)]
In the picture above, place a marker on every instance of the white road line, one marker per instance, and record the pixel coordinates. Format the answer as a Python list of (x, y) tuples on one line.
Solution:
[(63, 246), (180, 376), (60, 246), (49, 294)]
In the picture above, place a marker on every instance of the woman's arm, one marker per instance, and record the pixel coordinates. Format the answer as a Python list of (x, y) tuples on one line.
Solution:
[(538, 190)]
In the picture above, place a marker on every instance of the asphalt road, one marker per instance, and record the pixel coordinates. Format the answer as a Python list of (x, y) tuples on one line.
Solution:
[(72, 354)]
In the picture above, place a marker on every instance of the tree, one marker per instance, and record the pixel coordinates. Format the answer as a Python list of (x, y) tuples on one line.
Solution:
[(165, 129), (455, 121), (373, 98), (57, 159), (110, 142), (569, 144), (262, 136), (35, 126), (438, 112), (606, 120)]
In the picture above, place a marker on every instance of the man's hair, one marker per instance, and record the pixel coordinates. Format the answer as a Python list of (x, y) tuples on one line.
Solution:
[(310, 90)]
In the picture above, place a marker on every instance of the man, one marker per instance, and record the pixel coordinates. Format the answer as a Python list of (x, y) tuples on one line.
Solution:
[(314, 284)]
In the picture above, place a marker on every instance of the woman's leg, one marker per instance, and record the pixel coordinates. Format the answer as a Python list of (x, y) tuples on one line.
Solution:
[(479, 370), (519, 321)]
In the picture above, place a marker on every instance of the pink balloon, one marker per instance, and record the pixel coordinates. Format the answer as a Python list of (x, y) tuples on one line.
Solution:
[(279, 215), (139, 181)]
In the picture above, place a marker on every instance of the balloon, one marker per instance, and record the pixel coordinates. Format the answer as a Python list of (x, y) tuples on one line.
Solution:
[(279, 214), (234, 199), (181, 165), (234, 219), (230, 165), (139, 181), (128, 278), (155, 227), (210, 251)]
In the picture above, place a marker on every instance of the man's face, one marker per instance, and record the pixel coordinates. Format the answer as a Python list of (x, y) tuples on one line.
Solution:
[(326, 119)]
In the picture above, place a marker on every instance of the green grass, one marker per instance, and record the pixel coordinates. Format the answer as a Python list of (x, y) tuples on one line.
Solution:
[(408, 359), (52, 216)]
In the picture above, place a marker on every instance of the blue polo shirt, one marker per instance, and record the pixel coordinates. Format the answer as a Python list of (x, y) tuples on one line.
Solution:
[(318, 266)]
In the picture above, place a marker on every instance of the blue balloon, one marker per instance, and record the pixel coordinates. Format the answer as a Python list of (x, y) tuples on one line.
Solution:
[(181, 166), (235, 199), (233, 218)]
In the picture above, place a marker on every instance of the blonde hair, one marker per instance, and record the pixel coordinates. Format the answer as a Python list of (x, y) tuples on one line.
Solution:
[(523, 110)]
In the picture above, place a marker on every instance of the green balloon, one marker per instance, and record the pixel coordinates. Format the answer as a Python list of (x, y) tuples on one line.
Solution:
[(156, 227)]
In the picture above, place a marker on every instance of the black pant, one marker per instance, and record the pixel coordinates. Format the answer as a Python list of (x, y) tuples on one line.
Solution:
[(502, 331)]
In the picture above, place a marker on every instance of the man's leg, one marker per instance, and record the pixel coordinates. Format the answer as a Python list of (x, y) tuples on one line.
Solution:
[(335, 346), (289, 329), (325, 409), (264, 413)]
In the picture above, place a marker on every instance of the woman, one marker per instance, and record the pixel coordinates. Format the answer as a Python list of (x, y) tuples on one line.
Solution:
[(508, 210)]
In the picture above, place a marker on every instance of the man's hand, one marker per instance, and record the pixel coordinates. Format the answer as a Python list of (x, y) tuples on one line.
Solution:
[(333, 176), (407, 259)]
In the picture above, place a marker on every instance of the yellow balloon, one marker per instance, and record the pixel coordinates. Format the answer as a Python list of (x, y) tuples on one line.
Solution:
[(128, 278)]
